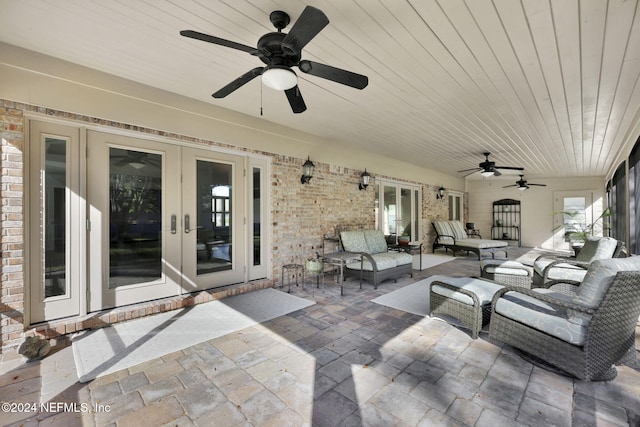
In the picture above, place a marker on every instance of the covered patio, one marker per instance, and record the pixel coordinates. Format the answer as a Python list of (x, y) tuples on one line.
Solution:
[(342, 361)]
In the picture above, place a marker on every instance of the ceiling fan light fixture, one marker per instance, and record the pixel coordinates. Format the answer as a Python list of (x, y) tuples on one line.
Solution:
[(523, 187), (279, 77), (487, 173)]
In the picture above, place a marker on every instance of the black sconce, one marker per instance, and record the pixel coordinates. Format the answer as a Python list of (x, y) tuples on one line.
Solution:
[(440, 194), (308, 171), (364, 180)]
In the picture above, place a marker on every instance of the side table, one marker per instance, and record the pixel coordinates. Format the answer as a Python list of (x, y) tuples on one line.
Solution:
[(410, 249), (340, 259), (289, 271)]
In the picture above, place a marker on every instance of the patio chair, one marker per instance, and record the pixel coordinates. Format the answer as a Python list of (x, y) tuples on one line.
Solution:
[(548, 268), (583, 335)]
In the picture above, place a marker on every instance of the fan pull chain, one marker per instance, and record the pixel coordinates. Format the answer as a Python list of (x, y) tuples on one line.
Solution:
[(261, 97)]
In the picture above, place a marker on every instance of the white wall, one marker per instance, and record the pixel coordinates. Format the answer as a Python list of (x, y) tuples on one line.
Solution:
[(536, 203)]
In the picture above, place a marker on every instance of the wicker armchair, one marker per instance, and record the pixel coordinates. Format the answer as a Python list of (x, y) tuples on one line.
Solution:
[(547, 268), (583, 335)]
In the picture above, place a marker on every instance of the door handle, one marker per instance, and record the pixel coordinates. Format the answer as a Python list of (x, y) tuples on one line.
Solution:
[(187, 224), (173, 224)]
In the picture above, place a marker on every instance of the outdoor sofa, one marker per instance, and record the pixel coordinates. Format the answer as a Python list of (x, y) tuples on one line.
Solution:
[(378, 263), (452, 235)]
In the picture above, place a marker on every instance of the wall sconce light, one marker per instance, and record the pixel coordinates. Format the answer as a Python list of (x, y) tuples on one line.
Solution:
[(308, 171), (364, 180), (440, 194)]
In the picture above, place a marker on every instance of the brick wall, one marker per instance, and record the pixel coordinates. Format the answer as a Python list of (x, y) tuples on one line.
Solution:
[(301, 215), (11, 223)]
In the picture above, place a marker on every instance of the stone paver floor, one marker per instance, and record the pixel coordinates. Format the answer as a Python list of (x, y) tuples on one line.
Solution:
[(344, 361)]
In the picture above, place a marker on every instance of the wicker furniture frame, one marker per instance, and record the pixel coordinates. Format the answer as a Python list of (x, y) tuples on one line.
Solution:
[(609, 337), (504, 278), (473, 316), (376, 276), (541, 281)]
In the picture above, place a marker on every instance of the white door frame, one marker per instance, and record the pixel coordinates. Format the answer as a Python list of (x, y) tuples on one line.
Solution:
[(39, 307)]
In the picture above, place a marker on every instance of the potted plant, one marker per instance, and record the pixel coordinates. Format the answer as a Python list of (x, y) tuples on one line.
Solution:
[(581, 231), (404, 239)]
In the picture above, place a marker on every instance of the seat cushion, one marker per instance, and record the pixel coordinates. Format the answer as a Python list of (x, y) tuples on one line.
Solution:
[(484, 290), (597, 248), (376, 242), (501, 266), (540, 264), (354, 241), (401, 258), (383, 262), (548, 318), (481, 243)]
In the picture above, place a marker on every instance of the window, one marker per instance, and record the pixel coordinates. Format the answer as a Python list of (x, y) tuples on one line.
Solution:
[(634, 199), (618, 204)]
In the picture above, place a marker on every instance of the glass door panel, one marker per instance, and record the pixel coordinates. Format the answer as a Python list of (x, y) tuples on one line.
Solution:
[(390, 213), (215, 237), (135, 217)]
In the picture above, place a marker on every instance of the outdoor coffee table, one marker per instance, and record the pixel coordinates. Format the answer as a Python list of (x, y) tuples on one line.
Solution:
[(341, 259)]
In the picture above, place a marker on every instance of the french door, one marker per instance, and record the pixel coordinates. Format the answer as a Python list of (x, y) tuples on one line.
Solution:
[(398, 210), (116, 220), (163, 220), (573, 210)]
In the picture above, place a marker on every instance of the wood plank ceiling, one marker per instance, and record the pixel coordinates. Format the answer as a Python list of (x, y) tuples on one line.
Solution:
[(550, 85)]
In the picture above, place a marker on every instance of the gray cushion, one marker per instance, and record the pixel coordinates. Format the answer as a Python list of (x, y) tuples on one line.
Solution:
[(548, 318), (502, 266), (484, 290), (401, 258), (597, 248), (376, 242), (382, 263), (481, 243), (599, 277), (354, 241)]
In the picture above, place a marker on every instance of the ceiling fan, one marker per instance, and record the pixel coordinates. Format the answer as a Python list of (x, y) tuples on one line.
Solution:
[(488, 168), (281, 51), (522, 184)]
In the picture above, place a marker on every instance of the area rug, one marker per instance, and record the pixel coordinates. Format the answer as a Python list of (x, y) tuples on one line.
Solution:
[(412, 298), (430, 260), (126, 344)]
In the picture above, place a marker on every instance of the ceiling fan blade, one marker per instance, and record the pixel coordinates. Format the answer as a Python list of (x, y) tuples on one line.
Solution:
[(497, 173), (539, 185), (308, 25), (295, 99), (515, 168), (239, 82), (507, 186), (217, 40), (334, 74), (472, 169)]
